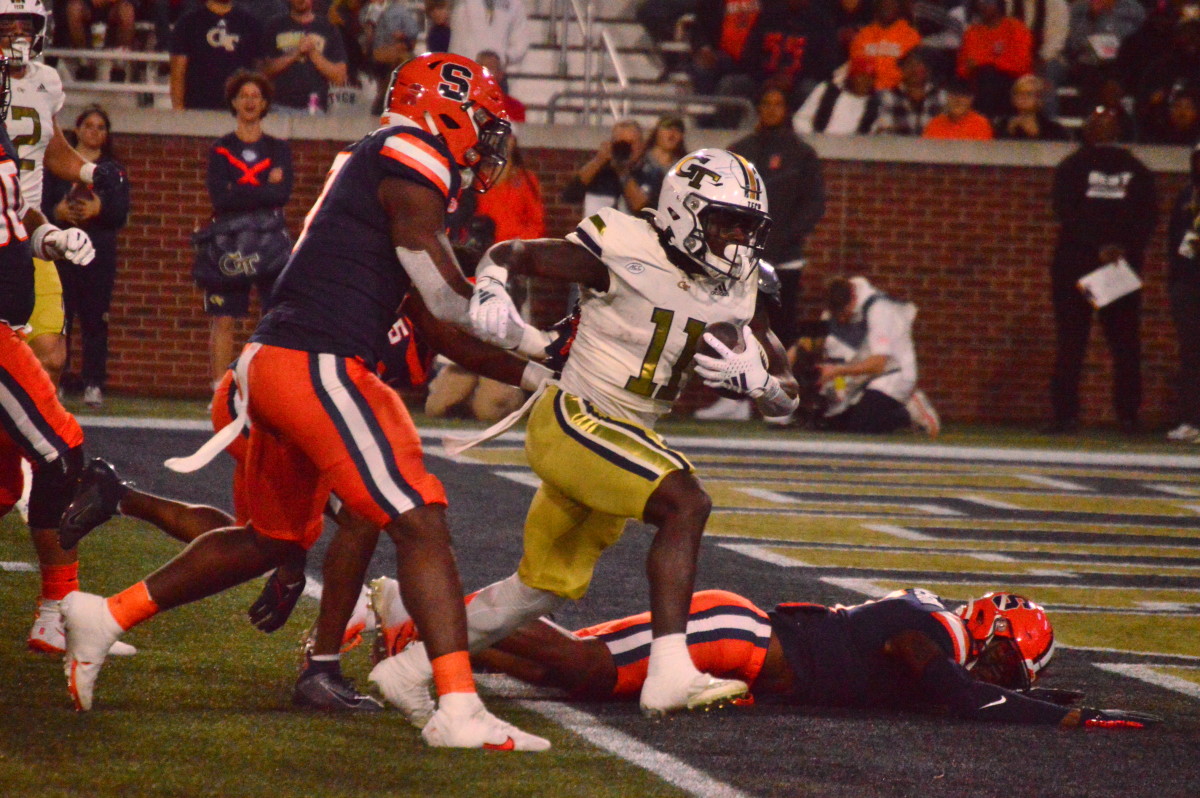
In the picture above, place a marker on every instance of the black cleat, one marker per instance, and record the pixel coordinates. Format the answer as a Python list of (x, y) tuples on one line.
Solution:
[(331, 692), (97, 497)]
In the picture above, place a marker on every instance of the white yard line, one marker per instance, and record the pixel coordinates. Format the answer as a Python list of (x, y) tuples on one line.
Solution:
[(1147, 674), (898, 531), (18, 567)]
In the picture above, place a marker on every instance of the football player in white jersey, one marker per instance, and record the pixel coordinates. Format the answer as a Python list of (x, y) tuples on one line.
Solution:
[(649, 286), (36, 95)]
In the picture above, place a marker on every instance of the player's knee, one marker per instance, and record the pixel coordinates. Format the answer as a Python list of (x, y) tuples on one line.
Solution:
[(52, 489), (679, 498)]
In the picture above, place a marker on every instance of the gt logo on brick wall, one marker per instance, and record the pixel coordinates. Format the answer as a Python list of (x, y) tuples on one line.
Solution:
[(456, 82)]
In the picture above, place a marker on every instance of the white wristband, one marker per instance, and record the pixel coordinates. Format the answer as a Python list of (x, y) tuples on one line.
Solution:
[(86, 173), (38, 240), (534, 375), (533, 342)]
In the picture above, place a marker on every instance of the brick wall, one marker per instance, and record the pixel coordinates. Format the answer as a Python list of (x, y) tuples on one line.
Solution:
[(969, 244)]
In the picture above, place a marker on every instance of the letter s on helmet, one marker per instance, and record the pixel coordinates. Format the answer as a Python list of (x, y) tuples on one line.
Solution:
[(1007, 619), (710, 185), (457, 99)]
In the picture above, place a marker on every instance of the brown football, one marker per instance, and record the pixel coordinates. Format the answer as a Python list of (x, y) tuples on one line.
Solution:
[(727, 333)]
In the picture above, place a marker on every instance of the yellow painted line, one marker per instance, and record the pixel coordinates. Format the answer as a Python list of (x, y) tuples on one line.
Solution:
[(503, 457), (1115, 598), (1187, 674), (1159, 634)]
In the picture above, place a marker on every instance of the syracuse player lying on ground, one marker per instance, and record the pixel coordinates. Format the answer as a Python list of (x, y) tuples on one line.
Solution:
[(904, 651), (322, 420), (649, 286)]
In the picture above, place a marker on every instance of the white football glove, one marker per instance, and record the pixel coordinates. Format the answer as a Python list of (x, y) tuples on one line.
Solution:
[(71, 244), (495, 319), (742, 372)]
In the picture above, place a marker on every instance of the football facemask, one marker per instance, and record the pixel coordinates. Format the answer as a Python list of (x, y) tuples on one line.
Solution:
[(1004, 627)]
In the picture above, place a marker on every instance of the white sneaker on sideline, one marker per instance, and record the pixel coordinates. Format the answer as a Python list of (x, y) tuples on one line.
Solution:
[(462, 721), (406, 685), (47, 635), (924, 416), (91, 632), (92, 396), (725, 409), (1184, 433), (658, 697)]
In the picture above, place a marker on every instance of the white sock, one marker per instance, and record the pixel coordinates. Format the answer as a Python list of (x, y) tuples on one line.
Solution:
[(670, 658), (460, 703), (501, 607)]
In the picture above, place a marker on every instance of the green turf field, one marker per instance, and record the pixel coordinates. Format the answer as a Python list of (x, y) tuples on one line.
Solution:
[(203, 709)]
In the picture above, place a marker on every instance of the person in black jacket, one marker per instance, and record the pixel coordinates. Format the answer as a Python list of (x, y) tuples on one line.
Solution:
[(101, 213), (1104, 200), (792, 172), (247, 171), (1183, 289)]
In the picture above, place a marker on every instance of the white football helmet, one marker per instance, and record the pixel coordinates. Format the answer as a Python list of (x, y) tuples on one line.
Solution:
[(21, 49), (713, 209)]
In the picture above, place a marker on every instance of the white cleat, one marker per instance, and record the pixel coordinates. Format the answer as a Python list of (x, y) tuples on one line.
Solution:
[(701, 692), (462, 721), (405, 685), (91, 632), (924, 417), (47, 635), (392, 620)]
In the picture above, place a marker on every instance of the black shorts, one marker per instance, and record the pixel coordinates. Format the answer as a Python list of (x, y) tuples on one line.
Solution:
[(235, 302)]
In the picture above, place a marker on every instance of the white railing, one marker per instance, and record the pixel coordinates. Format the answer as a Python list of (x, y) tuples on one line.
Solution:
[(595, 47), (106, 58)]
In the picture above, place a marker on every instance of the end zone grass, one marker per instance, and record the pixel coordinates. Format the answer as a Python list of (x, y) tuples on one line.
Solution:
[(203, 709)]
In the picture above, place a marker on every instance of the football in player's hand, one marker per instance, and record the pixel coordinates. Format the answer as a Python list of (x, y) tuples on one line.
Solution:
[(727, 333)]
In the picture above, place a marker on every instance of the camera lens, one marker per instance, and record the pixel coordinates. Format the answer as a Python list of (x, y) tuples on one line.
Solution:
[(621, 150)]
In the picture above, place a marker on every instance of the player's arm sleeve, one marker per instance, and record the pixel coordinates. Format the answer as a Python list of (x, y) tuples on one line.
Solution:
[(950, 684)]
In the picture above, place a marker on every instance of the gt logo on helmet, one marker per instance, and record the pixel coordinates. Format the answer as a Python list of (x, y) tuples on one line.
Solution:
[(695, 172), (456, 82)]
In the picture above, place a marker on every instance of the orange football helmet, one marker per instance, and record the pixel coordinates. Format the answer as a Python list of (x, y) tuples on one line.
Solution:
[(457, 99), (1011, 639)]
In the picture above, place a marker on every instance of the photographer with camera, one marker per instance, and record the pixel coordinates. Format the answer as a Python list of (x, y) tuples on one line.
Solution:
[(610, 178)]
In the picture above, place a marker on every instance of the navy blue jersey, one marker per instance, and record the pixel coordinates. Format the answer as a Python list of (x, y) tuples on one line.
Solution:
[(837, 654), (343, 285), (16, 256)]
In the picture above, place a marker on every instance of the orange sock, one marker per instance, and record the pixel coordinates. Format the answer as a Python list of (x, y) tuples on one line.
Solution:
[(452, 673), (59, 580), (132, 606)]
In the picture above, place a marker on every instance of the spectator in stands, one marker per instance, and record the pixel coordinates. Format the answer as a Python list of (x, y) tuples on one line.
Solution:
[(1111, 94), (793, 46), (1183, 290), (607, 180), (500, 25), (996, 50), (209, 43), (941, 24), (886, 41), (664, 147), (1048, 21), (660, 18), (437, 26), (1094, 36), (907, 109), (514, 203), (1104, 200), (796, 191), (344, 17), (1176, 68), (1028, 120), (718, 41), (247, 171), (118, 16), (959, 120), (841, 110), (849, 17), (1178, 123), (101, 213), (304, 56), (490, 60), (391, 30)]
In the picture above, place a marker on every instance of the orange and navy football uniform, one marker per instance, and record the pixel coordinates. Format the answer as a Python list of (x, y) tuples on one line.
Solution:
[(33, 424), (837, 655), (322, 419), (727, 637)]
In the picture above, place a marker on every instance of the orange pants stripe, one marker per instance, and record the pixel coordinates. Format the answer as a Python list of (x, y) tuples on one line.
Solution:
[(727, 637)]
